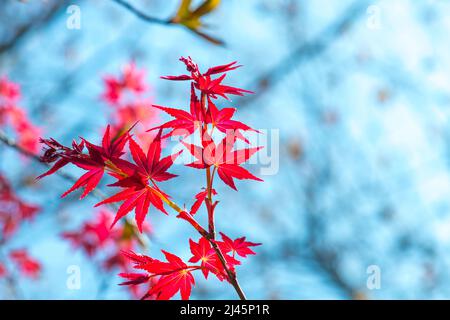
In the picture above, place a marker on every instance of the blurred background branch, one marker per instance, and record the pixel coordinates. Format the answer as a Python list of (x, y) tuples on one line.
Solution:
[(17, 33), (140, 14)]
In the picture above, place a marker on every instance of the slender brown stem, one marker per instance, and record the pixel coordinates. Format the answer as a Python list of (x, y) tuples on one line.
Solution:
[(231, 275), (208, 202)]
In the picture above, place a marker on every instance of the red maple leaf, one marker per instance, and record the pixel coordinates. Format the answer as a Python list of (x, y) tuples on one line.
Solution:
[(173, 276), (199, 199), (226, 161), (93, 235), (151, 166), (60, 155), (138, 194), (202, 251), (203, 82), (238, 246), (137, 198), (132, 80), (14, 115), (9, 90), (134, 278), (185, 123), (221, 119), (94, 162), (210, 262)]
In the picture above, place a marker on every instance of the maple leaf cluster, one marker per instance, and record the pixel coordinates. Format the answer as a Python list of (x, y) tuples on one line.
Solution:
[(175, 275), (127, 96), (97, 235), (11, 113), (138, 171)]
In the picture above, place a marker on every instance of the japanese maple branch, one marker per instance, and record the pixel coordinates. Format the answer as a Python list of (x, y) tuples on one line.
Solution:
[(232, 276), (95, 193)]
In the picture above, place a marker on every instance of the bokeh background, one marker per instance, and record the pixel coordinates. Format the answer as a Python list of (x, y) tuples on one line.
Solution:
[(359, 91)]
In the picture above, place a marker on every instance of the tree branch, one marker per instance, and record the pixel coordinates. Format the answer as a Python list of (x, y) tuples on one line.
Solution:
[(98, 194), (145, 17), (32, 25)]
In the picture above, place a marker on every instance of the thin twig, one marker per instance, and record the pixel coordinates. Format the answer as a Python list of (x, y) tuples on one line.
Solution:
[(171, 21), (141, 14), (33, 25)]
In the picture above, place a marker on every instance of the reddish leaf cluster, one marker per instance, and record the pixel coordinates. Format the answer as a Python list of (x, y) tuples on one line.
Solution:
[(126, 94), (3, 271), (131, 80), (174, 275), (13, 210), (95, 236), (139, 173), (203, 81), (11, 113), (22, 261)]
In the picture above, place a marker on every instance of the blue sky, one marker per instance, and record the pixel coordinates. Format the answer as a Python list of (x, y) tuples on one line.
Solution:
[(375, 177)]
